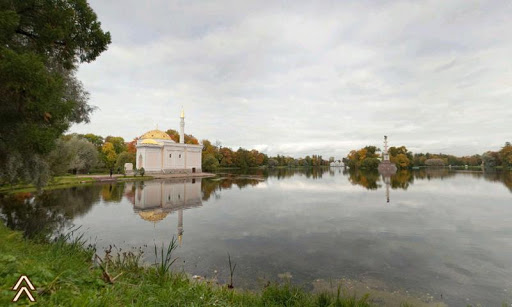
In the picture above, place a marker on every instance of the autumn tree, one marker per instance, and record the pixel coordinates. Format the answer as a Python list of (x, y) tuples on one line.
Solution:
[(366, 157), (175, 136), (401, 161), (131, 147), (117, 142), (506, 155), (227, 157), (109, 155), (400, 156)]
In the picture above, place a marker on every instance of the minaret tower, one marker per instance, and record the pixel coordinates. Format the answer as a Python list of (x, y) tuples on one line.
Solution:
[(182, 127), (386, 168), (385, 155)]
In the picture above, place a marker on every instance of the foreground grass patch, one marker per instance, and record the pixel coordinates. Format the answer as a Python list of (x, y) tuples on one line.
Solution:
[(64, 274)]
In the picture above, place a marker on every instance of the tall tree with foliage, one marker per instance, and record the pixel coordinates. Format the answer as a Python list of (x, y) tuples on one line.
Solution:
[(41, 44), (109, 155), (118, 142), (506, 155)]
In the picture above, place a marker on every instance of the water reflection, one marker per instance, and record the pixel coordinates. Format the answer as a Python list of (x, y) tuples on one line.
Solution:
[(448, 232), (51, 211), (153, 201), (41, 215)]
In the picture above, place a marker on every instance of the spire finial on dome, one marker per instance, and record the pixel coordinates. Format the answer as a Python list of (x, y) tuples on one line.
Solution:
[(182, 112)]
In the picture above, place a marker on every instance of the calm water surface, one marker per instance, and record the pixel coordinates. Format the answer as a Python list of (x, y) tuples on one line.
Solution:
[(439, 232)]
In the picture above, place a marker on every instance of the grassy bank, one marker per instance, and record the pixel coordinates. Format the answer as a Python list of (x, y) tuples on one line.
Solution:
[(65, 182), (64, 274)]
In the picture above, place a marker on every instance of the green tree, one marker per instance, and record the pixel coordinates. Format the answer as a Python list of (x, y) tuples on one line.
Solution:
[(124, 157), (97, 140), (210, 163), (85, 155), (370, 163), (72, 153), (489, 160), (272, 163), (41, 45)]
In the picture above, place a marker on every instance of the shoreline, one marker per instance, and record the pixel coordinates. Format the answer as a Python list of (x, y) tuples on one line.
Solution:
[(61, 182), (67, 272)]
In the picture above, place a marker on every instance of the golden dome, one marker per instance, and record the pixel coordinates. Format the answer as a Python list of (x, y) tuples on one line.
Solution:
[(150, 141), (156, 134), (152, 216)]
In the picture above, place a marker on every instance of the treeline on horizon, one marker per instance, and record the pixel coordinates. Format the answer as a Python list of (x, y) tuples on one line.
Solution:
[(368, 157), (85, 153)]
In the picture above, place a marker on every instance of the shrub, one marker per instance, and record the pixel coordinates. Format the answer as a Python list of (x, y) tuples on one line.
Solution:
[(434, 162), (142, 171), (370, 163), (210, 163)]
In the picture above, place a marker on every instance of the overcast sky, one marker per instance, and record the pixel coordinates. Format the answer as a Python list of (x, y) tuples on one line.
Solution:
[(312, 77)]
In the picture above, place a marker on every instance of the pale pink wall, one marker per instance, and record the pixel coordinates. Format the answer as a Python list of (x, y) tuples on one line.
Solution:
[(153, 159)]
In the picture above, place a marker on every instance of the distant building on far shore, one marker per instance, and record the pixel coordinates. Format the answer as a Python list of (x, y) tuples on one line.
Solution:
[(336, 163)]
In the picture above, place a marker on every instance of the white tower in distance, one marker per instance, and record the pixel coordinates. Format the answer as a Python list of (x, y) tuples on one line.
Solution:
[(182, 127)]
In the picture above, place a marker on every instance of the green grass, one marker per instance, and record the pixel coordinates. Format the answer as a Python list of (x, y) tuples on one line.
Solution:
[(65, 274), (61, 182)]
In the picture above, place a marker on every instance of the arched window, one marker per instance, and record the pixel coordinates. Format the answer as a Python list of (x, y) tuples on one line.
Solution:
[(140, 161), (170, 155)]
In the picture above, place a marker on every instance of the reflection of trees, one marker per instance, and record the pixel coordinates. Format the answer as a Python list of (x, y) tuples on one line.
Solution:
[(209, 186), (112, 192), (401, 179), (48, 212), (367, 179), (504, 177), (244, 178), (429, 173), (279, 173), (371, 180)]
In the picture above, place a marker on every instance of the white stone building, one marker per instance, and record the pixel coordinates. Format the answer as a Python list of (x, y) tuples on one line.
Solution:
[(336, 163), (158, 153)]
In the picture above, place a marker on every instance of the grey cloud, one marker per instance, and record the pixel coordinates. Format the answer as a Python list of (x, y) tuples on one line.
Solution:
[(307, 78)]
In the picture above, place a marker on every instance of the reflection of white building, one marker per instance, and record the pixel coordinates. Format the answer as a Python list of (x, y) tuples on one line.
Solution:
[(336, 163), (158, 153), (154, 200)]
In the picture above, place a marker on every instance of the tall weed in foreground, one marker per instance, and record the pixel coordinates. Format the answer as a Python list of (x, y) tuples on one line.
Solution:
[(164, 262), (326, 299), (231, 272), (73, 242), (282, 295)]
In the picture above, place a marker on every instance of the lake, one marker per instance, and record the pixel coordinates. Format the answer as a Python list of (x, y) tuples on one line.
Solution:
[(437, 234)]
